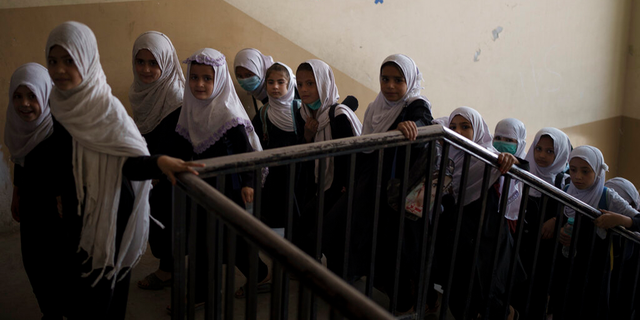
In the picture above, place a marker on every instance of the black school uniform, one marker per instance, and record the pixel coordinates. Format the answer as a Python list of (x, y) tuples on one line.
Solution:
[(41, 234), (233, 141), (274, 193), (101, 301), (164, 139)]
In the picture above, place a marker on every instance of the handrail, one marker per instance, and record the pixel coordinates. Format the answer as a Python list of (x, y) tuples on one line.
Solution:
[(286, 155), (323, 282)]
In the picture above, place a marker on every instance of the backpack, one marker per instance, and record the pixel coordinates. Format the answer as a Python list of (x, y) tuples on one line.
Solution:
[(349, 101)]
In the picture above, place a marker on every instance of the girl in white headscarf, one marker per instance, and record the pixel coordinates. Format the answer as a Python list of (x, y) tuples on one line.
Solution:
[(106, 212), (31, 139), (276, 128), (587, 169), (626, 190), (156, 97), (215, 123), (548, 157), (250, 67), (510, 136), (469, 123)]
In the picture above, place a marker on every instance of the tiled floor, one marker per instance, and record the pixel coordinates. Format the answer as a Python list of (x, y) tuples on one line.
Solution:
[(17, 301)]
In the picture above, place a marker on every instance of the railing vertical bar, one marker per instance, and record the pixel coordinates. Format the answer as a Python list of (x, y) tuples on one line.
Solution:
[(606, 272), (536, 251), (622, 267), (251, 306), (276, 291), (559, 219), (289, 236), (589, 263), (217, 287), (403, 196), (231, 273), (347, 236), (572, 249), (376, 214), (178, 236), (476, 251), (516, 252), (423, 288), (193, 260), (320, 217), (634, 292), (456, 238), (504, 199), (211, 269)]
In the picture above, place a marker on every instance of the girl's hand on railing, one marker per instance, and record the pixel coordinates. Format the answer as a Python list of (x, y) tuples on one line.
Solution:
[(15, 205), (247, 194), (548, 228), (310, 129), (170, 166), (506, 161), (409, 129), (610, 219)]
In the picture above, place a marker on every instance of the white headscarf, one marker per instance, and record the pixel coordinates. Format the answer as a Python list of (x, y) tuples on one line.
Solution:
[(382, 113), (104, 136), (513, 129), (328, 93), (20, 136), (625, 189), (443, 121), (561, 148), (154, 101), (481, 136), (204, 122), (256, 62), (279, 109)]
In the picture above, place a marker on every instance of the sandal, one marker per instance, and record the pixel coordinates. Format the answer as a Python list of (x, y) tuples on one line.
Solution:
[(262, 287), (197, 306), (154, 283)]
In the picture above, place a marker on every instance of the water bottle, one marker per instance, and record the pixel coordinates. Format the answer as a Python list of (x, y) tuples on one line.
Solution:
[(568, 230), (249, 207)]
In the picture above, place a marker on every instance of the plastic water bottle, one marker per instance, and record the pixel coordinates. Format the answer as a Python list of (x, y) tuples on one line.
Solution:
[(249, 207), (568, 230)]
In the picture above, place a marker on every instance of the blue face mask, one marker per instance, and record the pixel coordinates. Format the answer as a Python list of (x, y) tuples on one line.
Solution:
[(250, 83), (504, 146), (315, 105)]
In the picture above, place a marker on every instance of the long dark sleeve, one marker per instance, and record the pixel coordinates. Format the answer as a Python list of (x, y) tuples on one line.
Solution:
[(239, 143)]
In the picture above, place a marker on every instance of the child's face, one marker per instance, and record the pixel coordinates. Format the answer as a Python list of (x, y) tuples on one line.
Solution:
[(147, 67), (307, 86), (582, 176), (505, 139), (392, 83), (462, 126), (243, 73), (26, 104), (544, 154), (63, 69), (277, 84), (201, 77)]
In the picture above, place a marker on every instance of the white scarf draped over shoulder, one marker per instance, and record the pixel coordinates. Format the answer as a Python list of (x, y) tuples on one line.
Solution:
[(256, 62), (152, 102), (561, 148), (279, 109), (592, 194), (204, 122), (382, 113), (328, 92), (104, 137), (21, 137), (482, 137)]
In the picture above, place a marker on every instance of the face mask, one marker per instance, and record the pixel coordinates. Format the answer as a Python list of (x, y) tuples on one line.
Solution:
[(250, 83), (503, 146), (315, 105)]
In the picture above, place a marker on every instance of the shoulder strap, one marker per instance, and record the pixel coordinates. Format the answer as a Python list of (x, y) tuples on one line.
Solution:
[(558, 180), (295, 105), (263, 118), (603, 199), (332, 115), (255, 104)]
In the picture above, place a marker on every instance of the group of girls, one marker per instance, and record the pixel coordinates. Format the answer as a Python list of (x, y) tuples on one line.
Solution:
[(85, 169)]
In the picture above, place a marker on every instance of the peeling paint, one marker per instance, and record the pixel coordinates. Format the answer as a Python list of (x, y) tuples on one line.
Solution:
[(496, 33), (475, 56)]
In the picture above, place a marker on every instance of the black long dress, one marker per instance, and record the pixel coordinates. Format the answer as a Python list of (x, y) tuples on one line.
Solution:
[(274, 193), (234, 141), (363, 208), (101, 301), (164, 139), (41, 231)]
